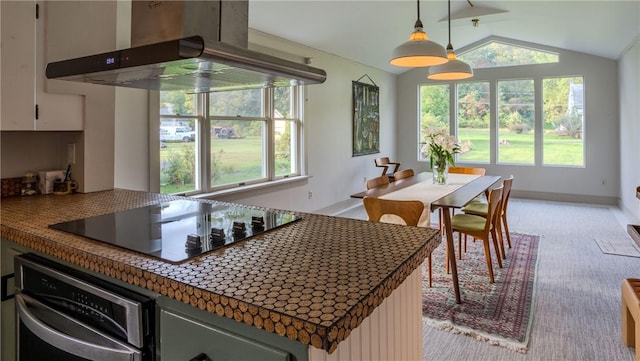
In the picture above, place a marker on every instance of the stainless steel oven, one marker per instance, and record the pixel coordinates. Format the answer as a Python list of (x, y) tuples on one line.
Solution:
[(65, 314)]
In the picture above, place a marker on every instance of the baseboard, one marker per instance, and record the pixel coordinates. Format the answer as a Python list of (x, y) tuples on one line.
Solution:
[(562, 197), (339, 207)]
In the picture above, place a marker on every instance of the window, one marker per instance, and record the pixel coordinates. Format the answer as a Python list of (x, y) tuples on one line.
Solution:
[(474, 113), (238, 142), (434, 112), (536, 119), (516, 119), (496, 54), (178, 142), (249, 136), (286, 135), (563, 113)]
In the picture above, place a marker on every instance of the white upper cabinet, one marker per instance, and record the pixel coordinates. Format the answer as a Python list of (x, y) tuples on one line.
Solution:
[(18, 65), (26, 103)]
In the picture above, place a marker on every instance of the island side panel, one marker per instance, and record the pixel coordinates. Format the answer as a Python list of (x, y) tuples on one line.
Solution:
[(392, 332)]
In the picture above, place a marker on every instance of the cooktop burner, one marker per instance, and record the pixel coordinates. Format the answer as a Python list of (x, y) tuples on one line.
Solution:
[(176, 231)]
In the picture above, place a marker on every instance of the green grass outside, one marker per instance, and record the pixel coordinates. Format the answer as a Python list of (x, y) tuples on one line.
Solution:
[(241, 159), (558, 150), (238, 160)]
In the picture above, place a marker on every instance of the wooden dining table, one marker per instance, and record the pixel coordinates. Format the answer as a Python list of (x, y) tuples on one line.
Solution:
[(457, 193)]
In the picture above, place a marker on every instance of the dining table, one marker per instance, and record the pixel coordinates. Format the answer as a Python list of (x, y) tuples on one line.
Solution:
[(459, 190)]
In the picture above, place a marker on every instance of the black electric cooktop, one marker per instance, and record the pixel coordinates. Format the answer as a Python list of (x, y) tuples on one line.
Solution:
[(176, 231)]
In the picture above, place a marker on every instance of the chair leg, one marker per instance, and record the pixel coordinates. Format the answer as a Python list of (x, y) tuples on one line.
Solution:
[(460, 245), (628, 325), (506, 229), (496, 247), (465, 243), (487, 255), (430, 276), (446, 258), (501, 240)]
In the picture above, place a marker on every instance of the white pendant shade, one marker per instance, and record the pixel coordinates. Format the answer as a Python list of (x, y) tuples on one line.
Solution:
[(419, 51), (452, 70)]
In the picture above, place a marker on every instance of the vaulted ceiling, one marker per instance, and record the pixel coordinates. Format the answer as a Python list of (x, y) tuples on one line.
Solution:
[(366, 31)]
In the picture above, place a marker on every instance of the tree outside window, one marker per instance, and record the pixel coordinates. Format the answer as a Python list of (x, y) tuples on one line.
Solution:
[(516, 119), (473, 121)]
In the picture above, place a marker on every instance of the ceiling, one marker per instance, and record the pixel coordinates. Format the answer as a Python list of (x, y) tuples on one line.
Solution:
[(366, 31)]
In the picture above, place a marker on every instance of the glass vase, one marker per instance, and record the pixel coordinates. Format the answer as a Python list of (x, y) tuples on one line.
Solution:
[(440, 169)]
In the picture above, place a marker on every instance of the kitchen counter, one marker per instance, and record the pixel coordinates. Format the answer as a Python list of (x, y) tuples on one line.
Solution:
[(313, 281)]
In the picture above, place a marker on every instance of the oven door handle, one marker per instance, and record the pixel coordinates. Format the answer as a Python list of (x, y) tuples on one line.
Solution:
[(95, 346)]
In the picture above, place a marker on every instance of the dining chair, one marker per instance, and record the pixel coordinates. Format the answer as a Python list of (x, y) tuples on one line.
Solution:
[(377, 181), (402, 174), (385, 164), (483, 228), (409, 211), (480, 208), (460, 170), (468, 170)]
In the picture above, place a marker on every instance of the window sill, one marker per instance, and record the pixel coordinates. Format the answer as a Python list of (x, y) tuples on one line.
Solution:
[(251, 187)]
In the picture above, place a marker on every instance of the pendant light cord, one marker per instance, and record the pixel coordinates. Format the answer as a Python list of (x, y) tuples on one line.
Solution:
[(449, 46), (418, 22), (449, 2)]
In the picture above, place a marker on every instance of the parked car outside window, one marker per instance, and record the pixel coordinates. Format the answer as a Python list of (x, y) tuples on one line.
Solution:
[(177, 134)]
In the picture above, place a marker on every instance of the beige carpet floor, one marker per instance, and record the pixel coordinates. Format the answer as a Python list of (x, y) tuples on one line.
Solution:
[(577, 296)]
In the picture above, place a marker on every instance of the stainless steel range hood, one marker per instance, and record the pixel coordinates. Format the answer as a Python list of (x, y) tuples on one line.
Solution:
[(195, 46)]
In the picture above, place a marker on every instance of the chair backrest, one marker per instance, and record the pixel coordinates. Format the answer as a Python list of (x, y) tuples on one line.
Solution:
[(377, 181), (381, 161), (385, 164), (405, 173), (409, 211), (506, 192), (467, 170), (494, 199)]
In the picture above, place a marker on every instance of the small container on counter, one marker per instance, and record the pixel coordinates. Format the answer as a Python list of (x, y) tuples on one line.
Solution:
[(29, 185)]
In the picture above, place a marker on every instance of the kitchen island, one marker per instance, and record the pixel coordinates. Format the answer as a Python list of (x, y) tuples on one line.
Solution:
[(340, 288)]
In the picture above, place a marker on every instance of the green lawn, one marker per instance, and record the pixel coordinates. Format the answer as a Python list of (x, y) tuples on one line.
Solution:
[(518, 148), (241, 159), (236, 160)]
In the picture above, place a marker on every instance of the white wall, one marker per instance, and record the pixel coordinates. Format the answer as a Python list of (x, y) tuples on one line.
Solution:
[(335, 174), (629, 79), (601, 130)]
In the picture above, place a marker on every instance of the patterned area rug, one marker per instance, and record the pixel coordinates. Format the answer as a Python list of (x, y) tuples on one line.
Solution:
[(499, 313)]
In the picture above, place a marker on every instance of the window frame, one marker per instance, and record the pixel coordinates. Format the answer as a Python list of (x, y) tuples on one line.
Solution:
[(204, 140), (538, 129)]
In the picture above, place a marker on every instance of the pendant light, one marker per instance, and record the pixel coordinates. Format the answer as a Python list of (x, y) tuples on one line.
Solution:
[(419, 51), (454, 69)]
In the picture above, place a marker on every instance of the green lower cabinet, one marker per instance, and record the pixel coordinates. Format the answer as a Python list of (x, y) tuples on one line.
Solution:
[(8, 306), (183, 338)]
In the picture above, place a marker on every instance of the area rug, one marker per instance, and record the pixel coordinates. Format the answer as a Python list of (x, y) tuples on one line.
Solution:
[(500, 313), (619, 247)]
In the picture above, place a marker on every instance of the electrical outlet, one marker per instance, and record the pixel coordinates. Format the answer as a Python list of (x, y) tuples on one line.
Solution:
[(310, 194)]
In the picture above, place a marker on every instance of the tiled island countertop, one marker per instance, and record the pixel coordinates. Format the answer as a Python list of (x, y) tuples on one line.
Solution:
[(313, 281)]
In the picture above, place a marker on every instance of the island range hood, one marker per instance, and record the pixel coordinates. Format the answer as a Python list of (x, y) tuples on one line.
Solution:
[(196, 46)]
